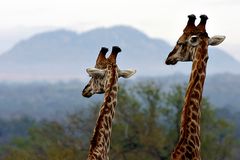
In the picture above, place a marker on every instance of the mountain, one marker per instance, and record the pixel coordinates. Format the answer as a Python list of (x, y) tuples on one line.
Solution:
[(64, 54)]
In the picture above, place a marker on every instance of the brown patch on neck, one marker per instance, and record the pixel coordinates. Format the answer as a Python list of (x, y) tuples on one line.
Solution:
[(112, 79)]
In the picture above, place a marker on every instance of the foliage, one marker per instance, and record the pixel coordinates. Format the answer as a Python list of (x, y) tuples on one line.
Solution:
[(145, 127), (16, 127), (47, 141)]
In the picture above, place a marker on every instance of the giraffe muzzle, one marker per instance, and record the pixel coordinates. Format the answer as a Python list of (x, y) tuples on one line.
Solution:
[(170, 61), (87, 92)]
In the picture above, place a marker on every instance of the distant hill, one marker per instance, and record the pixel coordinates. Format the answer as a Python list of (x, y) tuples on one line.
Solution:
[(65, 54), (54, 100)]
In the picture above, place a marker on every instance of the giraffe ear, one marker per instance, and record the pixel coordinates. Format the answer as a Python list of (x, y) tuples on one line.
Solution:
[(95, 72), (216, 40), (126, 73)]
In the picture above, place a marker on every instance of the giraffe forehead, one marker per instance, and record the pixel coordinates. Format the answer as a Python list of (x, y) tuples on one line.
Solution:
[(102, 62), (105, 65), (110, 68), (186, 36)]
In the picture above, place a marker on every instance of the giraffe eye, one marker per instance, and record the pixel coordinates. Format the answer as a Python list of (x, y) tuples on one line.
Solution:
[(193, 40)]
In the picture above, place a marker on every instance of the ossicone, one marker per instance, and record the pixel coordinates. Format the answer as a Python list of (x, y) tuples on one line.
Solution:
[(102, 55), (113, 56), (202, 24), (104, 50), (190, 24)]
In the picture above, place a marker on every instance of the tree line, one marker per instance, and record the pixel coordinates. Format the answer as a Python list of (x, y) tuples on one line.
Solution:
[(145, 127)]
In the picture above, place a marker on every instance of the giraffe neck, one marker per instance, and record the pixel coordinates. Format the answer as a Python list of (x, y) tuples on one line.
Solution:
[(188, 146), (100, 143)]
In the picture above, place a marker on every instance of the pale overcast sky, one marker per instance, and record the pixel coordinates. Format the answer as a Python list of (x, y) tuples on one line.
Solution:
[(157, 18)]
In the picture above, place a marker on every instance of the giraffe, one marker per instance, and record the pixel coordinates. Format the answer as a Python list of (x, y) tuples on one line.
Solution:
[(104, 80), (192, 46)]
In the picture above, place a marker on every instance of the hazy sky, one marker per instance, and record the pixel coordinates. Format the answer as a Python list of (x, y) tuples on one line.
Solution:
[(157, 18)]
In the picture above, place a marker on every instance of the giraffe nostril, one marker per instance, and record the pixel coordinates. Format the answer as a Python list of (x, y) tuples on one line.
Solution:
[(170, 61), (167, 62)]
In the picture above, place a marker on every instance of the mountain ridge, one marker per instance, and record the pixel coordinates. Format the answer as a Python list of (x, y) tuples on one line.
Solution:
[(64, 54)]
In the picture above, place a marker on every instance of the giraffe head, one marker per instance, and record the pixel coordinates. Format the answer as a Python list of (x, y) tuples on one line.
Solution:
[(101, 72), (192, 38)]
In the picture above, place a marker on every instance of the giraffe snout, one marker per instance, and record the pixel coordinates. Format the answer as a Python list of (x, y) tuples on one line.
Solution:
[(170, 61), (87, 92)]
